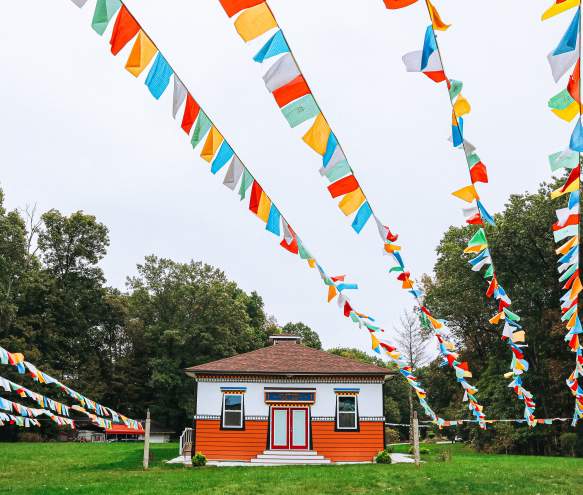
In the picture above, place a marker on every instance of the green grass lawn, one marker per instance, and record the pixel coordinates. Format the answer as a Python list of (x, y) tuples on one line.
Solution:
[(111, 469)]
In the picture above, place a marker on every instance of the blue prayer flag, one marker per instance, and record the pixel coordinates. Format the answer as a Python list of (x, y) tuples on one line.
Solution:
[(159, 76), (576, 143), (364, 213), (224, 154), (274, 46), (273, 220), (429, 46), (568, 42)]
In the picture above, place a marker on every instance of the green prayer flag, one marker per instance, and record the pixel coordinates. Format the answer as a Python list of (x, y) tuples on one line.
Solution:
[(510, 315), (489, 272), (203, 125), (561, 100), (568, 273), (473, 159), (563, 159), (246, 182), (303, 252), (300, 110), (339, 170), (396, 269), (104, 11), (455, 88), (478, 239)]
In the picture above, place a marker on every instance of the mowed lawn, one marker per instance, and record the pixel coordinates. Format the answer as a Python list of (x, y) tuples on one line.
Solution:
[(111, 469)]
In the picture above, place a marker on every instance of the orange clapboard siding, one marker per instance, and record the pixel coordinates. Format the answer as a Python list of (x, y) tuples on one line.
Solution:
[(239, 445), (360, 445)]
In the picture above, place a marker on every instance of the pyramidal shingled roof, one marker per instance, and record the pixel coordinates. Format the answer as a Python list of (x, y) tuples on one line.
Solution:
[(288, 358)]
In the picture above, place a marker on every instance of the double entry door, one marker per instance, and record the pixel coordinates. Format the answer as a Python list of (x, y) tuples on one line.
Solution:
[(289, 428)]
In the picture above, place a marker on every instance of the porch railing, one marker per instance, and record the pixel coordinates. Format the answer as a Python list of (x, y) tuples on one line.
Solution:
[(186, 442)]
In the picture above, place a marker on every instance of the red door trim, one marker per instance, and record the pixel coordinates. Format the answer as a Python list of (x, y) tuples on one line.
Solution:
[(272, 432), (289, 429), (305, 445)]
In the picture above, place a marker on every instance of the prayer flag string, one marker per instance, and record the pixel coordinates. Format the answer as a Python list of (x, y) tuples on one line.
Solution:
[(288, 85), (429, 61), (566, 230), (221, 156)]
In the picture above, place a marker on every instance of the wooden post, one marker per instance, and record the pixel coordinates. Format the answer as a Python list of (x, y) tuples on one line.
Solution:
[(416, 439), (147, 441)]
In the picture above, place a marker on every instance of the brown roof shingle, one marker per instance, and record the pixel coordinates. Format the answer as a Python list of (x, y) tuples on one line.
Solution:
[(288, 358)]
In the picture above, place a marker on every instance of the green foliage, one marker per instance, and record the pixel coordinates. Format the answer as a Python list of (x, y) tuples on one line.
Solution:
[(568, 442), (383, 457), (422, 451), (392, 436), (199, 460), (523, 249), (309, 337)]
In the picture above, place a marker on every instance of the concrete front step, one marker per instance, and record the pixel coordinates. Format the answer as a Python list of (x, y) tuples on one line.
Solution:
[(288, 460), (279, 457), (290, 453)]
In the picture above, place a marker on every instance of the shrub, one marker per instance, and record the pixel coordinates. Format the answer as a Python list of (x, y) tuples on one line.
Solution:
[(445, 455), (198, 460), (390, 449), (392, 436), (383, 457), (568, 441), (422, 451)]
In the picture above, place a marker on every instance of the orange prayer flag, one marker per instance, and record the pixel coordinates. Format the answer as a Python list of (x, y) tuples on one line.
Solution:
[(141, 55), (438, 24), (211, 145), (331, 292)]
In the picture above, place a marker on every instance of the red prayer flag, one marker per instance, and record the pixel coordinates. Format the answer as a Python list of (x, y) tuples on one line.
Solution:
[(347, 309), (233, 6), (572, 220), (256, 191), (436, 76), (398, 4), (574, 86), (573, 176), (475, 220), (291, 91), (191, 110), (343, 186), (124, 29), (479, 173)]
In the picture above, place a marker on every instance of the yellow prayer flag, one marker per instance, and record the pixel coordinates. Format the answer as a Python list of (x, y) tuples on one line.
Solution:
[(467, 193), (574, 186), (311, 262), (317, 136), (461, 106), (509, 374), (331, 292), (374, 341), (518, 337), (436, 18), (467, 374), (449, 346), (475, 249), (264, 207), (569, 113), (141, 55), (211, 145), (351, 201), (519, 366), (254, 22), (391, 248), (557, 8)]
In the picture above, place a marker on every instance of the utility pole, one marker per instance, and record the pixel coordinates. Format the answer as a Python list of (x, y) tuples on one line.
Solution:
[(147, 441), (416, 439)]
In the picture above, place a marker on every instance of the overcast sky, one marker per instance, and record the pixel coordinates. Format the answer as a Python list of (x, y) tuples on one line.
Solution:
[(78, 132)]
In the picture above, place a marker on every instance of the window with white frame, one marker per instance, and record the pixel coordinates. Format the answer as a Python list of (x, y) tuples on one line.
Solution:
[(346, 412), (232, 411)]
